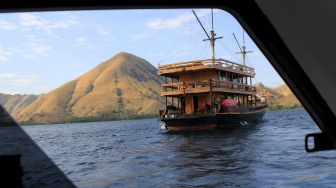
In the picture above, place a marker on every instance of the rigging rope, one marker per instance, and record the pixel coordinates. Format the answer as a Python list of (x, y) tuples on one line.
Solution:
[(189, 42), (167, 55), (229, 51)]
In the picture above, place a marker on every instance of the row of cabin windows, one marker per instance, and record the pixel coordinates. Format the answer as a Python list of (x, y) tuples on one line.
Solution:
[(246, 100), (223, 76), (233, 77)]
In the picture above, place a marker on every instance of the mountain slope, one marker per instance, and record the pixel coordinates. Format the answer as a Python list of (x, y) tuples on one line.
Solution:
[(280, 96), (124, 84), (271, 93), (288, 99), (15, 103)]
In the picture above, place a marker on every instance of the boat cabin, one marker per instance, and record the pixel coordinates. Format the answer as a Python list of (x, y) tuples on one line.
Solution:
[(207, 86)]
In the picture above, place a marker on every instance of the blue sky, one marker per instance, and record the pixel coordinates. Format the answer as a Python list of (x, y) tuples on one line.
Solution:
[(41, 51)]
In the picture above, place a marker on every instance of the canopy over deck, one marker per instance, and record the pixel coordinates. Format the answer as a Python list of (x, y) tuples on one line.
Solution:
[(197, 65)]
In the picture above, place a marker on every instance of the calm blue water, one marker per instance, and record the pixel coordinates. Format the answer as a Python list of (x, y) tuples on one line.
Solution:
[(137, 153)]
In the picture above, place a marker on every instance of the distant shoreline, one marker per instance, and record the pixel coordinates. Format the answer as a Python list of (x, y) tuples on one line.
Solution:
[(278, 107), (140, 117), (91, 119)]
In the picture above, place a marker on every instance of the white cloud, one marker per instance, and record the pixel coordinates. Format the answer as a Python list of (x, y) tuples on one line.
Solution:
[(37, 49), (34, 48), (105, 33), (63, 12), (131, 47), (64, 24), (163, 54), (30, 21), (6, 53), (181, 54), (17, 79), (4, 56), (92, 47), (81, 39), (188, 32), (14, 83), (7, 25), (41, 49), (7, 75), (84, 41), (138, 37), (187, 48), (178, 21), (33, 38), (42, 88), (22, 81)]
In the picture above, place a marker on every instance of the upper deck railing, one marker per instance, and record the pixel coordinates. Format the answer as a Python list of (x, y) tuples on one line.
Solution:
[(221, 64), (205, 86)]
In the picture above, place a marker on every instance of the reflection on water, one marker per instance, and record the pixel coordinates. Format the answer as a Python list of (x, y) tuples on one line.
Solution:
[(207, 156), (139, 154)]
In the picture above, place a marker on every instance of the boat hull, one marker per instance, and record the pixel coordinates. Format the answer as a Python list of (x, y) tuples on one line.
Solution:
[(210, 122)]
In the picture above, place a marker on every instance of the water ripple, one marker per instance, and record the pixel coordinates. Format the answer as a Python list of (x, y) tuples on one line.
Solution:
[(139, 154)]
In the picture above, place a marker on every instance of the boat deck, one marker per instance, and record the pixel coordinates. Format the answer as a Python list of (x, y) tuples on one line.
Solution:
[(173, 114), (193, 87), (220, 64)]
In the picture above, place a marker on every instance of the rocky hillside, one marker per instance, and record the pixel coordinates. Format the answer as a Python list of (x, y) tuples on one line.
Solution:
[(15, 103), (123, 86), (279, 97)]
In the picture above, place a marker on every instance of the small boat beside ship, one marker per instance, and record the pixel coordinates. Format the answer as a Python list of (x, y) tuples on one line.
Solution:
[(209, 93)]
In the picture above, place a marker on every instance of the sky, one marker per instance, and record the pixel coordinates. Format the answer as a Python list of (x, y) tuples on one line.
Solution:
[(41, 51)]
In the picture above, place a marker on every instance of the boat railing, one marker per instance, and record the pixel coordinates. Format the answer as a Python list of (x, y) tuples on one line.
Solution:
[(170, 113), (197, 86), (233, 85), (206, 63), (217, 109)]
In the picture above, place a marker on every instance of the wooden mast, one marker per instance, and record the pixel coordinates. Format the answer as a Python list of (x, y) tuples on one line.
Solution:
[(242, 50), (210, 38)]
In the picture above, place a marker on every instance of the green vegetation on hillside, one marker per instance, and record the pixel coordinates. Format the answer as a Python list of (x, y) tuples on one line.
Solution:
[(273, 106), (107, 116)]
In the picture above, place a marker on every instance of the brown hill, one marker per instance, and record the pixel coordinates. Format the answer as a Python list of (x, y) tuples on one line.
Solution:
[(279, 97), (288, 99), (15, 103), (123, 85), (271, 93)]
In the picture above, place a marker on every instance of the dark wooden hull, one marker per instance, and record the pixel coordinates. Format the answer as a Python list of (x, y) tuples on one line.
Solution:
[(199, 122)]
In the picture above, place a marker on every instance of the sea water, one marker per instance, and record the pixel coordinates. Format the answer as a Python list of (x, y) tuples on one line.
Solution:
[(137, 153)]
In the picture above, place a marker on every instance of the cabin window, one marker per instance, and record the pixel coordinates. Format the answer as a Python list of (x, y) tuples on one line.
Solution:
[(223, 76)]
